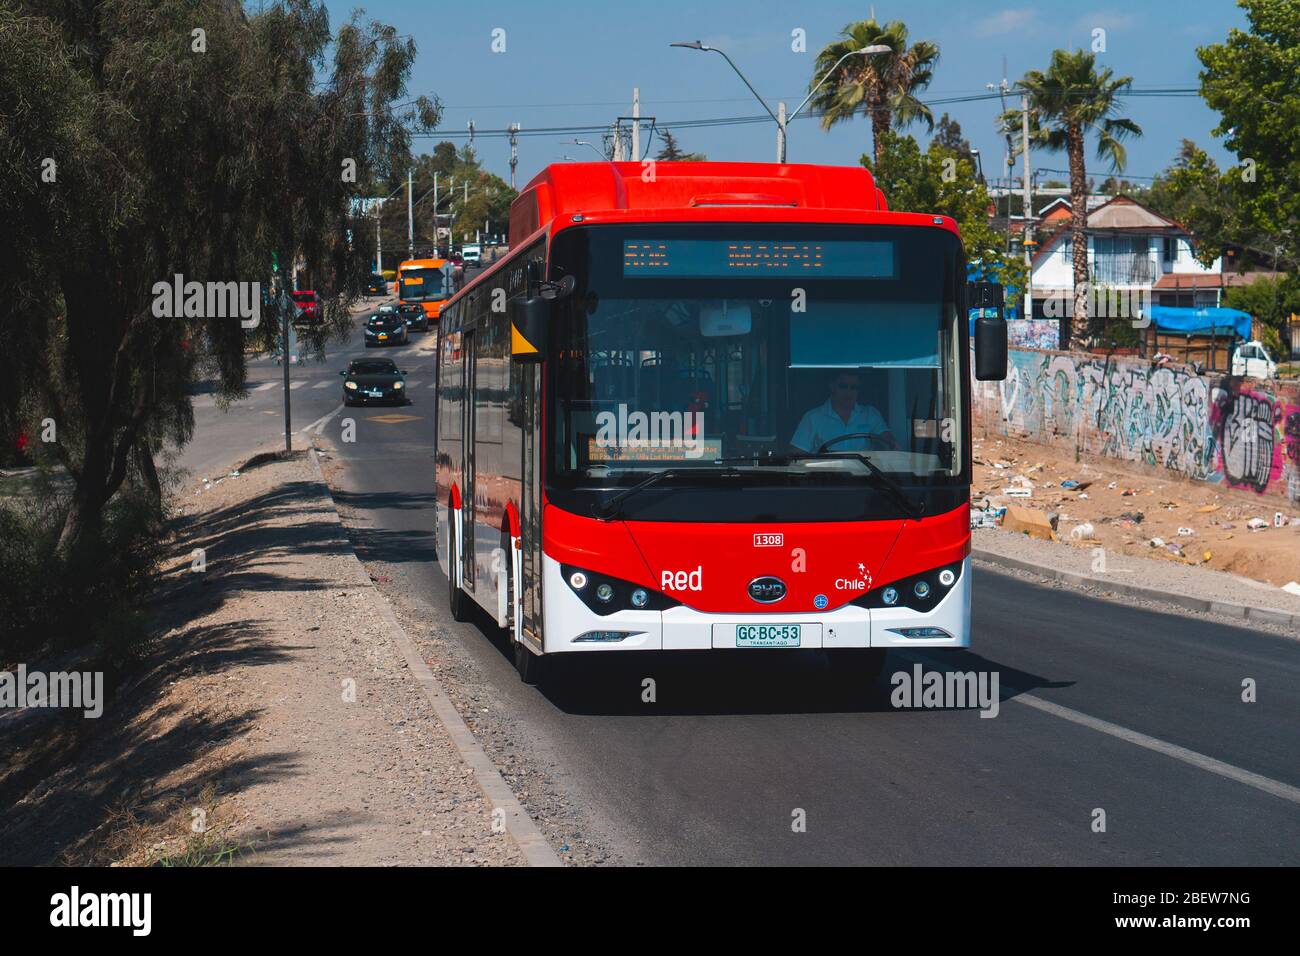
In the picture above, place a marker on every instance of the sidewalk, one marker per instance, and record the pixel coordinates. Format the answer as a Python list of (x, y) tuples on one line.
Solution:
[(1195, 588)]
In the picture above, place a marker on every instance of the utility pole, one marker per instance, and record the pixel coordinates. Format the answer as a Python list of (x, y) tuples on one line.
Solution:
[(780, 132), (410, 217), (282, 299), (618, 141), (471, 134), (636, 124), (435, 212), (1028, 236), (514, 153), (379, 239)]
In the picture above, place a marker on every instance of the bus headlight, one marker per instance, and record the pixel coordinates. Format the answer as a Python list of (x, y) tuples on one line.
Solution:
[(920, 592), (397, 385), (605, 594), (350, 385)]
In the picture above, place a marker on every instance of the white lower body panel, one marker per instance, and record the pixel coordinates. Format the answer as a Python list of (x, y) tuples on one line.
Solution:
[(567, 620)]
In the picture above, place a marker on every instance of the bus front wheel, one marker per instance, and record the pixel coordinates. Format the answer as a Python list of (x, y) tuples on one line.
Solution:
[(531, 667)]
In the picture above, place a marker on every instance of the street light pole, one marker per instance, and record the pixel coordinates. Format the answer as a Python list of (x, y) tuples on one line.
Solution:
[(591, 146), (865, 51), (782, 121)]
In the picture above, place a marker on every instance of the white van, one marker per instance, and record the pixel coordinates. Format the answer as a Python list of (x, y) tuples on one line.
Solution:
[(1252, 360), (472, 254)]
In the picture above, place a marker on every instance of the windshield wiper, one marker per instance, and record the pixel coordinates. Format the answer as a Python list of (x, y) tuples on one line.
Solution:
[(895, 490), (613, 508)]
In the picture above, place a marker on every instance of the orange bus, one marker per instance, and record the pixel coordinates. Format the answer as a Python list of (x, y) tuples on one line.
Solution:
[(424, 282)]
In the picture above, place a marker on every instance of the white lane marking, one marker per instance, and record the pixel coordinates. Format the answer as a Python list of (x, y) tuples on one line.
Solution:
[(432, 385), (325, 384), (321, 422), (264, 386), (294, 385), (413, 383), (1267, 784)]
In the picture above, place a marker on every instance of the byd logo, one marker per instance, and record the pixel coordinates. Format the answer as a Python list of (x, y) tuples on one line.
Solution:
[(767, 590)]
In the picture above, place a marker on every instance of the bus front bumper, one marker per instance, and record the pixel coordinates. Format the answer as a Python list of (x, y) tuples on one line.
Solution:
[(569, 625)]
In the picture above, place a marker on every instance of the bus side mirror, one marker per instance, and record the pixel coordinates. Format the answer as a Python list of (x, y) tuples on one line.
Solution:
[(987, 299), (529, 317)]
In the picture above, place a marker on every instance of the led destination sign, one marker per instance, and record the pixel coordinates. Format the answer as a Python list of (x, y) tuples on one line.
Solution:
[(716, 258)]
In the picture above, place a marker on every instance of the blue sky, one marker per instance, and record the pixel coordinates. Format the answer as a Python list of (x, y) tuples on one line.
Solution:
[(575, 63)]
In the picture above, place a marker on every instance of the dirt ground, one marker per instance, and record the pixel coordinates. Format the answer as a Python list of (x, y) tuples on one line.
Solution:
[(1164, 519), (272, 722)]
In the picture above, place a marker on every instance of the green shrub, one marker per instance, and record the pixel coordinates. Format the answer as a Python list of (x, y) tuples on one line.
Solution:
[(49, 603)]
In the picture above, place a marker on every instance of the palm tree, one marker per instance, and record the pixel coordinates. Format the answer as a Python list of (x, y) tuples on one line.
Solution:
[(1069, 101), (882, 86)]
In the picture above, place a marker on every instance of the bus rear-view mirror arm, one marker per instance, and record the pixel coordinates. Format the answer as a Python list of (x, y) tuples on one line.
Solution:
[(987, 298)]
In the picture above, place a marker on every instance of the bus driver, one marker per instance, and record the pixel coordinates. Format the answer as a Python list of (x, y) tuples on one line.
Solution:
[(842, 415)]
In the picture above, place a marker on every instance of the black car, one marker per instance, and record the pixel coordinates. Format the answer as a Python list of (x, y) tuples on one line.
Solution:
[(376, 285), (415, 316), (386, 327), (373, 382)]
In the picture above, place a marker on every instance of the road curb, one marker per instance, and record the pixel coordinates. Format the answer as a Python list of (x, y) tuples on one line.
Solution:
[(1203, 605), (499, 796)]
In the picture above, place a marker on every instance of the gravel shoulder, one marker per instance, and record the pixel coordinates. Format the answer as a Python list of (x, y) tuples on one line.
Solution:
[(526, 759)]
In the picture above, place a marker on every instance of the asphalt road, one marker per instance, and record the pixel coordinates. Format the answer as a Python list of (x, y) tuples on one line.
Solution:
[(1106, 708), (256, 423)]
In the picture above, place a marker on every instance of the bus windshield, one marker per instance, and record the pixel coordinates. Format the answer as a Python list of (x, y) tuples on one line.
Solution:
[(788, 352), (420, 285)]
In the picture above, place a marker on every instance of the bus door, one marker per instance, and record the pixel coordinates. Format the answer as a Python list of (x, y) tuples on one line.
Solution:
[(469, 491), (530, 500)]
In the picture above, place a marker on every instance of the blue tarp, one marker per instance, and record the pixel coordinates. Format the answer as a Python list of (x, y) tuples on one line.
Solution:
[(1168, 318)]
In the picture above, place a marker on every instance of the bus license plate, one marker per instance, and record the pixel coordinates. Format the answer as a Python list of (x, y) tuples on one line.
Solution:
[(767, 635)]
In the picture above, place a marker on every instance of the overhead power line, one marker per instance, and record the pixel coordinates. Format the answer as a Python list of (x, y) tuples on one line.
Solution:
[(712, 122)]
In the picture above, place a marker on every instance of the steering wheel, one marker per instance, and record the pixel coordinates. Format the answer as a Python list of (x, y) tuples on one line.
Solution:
[(870, 436)]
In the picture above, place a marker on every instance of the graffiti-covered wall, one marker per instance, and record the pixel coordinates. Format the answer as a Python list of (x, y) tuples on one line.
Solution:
[(1034, 333), (1240, 432)]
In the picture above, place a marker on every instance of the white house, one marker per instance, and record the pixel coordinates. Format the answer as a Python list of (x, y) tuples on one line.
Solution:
[(1131, 249)]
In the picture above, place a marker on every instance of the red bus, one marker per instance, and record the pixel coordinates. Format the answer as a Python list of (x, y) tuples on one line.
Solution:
[(713, 406)]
